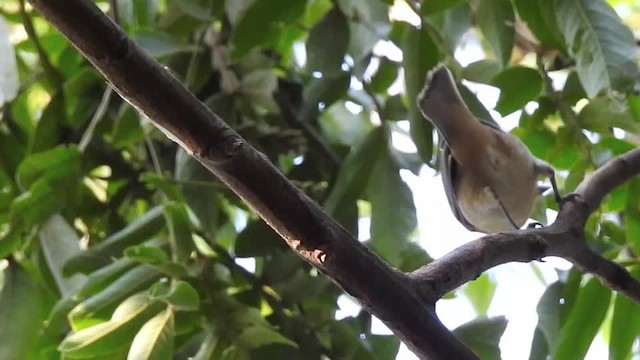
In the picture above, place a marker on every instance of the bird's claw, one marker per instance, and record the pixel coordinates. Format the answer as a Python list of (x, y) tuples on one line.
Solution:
[(535, 225), (561, 200)]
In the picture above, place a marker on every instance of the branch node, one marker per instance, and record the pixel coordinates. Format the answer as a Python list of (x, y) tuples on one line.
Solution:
[(232, 145)]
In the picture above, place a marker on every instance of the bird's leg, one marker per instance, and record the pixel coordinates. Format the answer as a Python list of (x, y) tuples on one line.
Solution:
[(543, 168)]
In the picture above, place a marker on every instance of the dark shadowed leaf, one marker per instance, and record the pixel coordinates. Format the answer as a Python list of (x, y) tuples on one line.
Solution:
[(354, 173), (327, 43), (258, 239), (390, 230), (513, 95), (420, 55), (495, 18), (262, 23), (198, 186), (540, 19)]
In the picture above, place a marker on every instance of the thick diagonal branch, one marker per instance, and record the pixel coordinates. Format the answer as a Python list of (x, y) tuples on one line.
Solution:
[(564, 238), (307, 229)]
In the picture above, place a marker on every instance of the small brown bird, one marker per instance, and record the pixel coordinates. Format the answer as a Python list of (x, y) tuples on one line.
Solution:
[(489, 176)]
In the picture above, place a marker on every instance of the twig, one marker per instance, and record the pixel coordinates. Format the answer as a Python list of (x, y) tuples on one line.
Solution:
[(95, 119)]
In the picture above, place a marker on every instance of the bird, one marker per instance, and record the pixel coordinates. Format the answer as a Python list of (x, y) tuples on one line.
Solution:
[(490, 177)]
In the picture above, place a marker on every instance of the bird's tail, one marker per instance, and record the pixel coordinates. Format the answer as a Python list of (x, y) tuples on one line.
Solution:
[(441, 103)]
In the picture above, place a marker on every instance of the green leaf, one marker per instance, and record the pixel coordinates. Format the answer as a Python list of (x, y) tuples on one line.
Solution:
[(420, 54), (159, 182), (60, 166), (262, 22), (540, 19), (495, 18), (325, 90), (327, 43), (435, 6), (154, 341), (482, 71), (35, 206), (20, 311), (513, 95), (548, 310), (476, 107), (344, 127), (395, 109), (625, 325), (146, 254), (604, 112), (159, 44), (47, 132), (370, 21), (136, 232), (195, 9), (385, 347), (452, 25), (634, 106), (632, 216), (480, 292), (386, 75), (584, 321), (58, 242), (258, 87), (179, 232), (256, 336), (181, 296), (482, 336), (413, 257), (113, 335), (235, 9), (198, 185), (603, 47), (102, 277), (258, 239), (207, 347), (132, 281), (390, 230), (539, 347), (573, 90), (127, 129)]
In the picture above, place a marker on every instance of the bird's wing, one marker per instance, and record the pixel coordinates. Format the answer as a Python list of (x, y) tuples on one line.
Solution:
[(448, 169)]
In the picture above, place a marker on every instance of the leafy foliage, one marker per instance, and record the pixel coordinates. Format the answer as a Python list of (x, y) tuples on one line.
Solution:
[(117, 244)]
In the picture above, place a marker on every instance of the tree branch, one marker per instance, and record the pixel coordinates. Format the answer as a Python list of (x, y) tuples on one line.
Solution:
[(564, 238), (310, 232)]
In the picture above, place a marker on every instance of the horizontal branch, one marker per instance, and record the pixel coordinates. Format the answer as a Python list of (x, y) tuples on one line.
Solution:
[(309, 231), (564, 238)]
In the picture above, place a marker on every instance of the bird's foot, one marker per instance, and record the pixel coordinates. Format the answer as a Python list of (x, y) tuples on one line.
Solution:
[(535, 225)]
